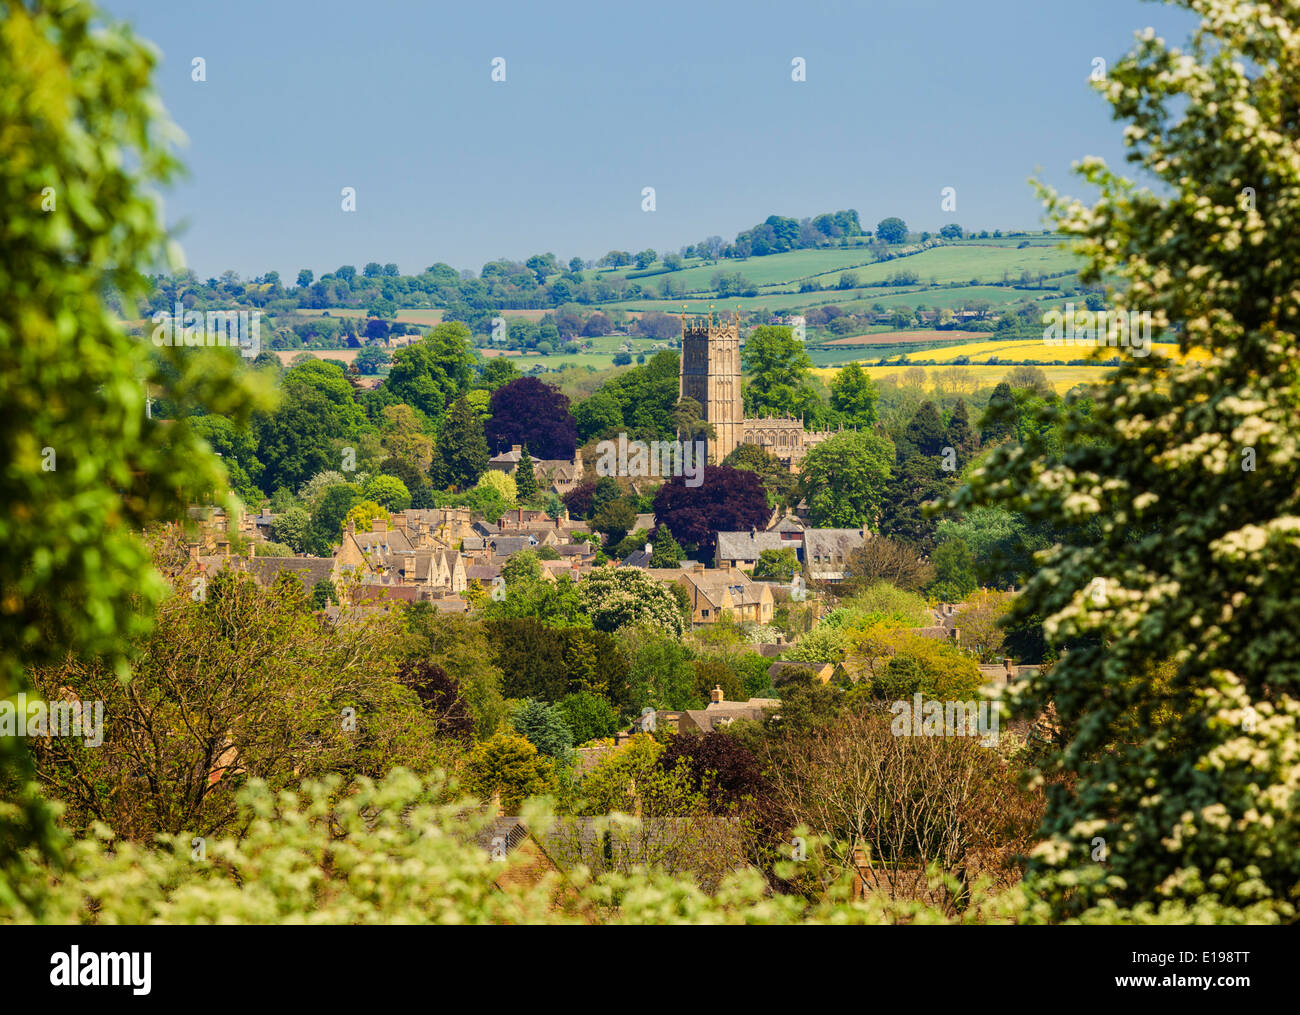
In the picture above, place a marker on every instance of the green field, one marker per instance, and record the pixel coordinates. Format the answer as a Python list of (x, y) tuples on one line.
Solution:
[(966, 260), (775, 269), (999, 296), (960, 261)]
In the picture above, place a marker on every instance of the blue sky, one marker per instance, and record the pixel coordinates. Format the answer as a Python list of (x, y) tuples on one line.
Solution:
[(695, 99)]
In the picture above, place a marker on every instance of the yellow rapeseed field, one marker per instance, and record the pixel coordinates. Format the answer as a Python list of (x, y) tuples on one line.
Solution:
[(979, 375)]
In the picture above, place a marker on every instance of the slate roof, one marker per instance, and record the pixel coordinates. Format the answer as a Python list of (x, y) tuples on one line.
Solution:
[(309, 569), (504, 546), (406, 593), (714, 584), (391, 541), (522, 518), (449, 604), (512, 830), (782, 669), (831, 543), (748, 545), (708, 719)]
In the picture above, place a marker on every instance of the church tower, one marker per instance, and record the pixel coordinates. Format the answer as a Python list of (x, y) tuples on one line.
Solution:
[(711, 375)]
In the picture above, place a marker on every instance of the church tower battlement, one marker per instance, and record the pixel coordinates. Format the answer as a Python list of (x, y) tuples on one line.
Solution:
[(710, 374)]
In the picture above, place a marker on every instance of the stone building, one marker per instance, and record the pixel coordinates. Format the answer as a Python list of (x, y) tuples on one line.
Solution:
[(783, 437), (554, 474), (711, 374)]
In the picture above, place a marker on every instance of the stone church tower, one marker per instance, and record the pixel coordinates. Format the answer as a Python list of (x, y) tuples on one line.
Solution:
[(711, 376)]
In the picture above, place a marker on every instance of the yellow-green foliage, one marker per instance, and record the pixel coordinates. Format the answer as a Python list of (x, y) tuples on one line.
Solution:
[(363, 515), (83, 146), (1178, 502), (509, 765), (887, 657), (505, 485), (402, 851), (981, 622)]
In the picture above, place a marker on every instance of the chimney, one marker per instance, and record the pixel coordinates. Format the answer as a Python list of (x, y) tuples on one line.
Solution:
[(698, 568), (379, 525), (251, 548), (516, 448), (194, 553), (716, 696), (223, 547), (352, 526)]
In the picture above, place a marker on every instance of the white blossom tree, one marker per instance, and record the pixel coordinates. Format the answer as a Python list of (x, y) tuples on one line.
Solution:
[(1184, 793)]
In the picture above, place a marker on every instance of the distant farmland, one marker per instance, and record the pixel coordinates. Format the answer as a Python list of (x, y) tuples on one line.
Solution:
[(426, 318), (906, 337), (287, 356)]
